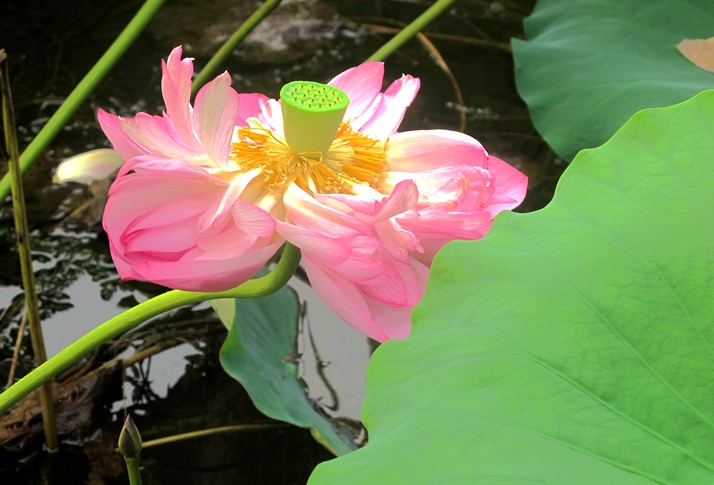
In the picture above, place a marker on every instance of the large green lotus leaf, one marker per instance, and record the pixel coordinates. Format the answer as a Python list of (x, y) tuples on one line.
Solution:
[(588, 66), (259, 352), (573, 345)]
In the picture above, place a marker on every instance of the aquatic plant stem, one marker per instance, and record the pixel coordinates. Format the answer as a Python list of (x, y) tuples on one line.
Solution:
[(86, 86), (228, 46), (133, 470), (132, 317), (210, 432), (411, 30), (22, 234)]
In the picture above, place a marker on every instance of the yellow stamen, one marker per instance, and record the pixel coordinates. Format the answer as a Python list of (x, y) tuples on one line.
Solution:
[(352, 159)]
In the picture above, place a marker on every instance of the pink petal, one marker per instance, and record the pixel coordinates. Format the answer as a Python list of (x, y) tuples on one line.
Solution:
[(205, 274), (156, 135), (361, 271), (218, 213), (152, 219), (252, 220), (398, 288), (178, 168), (434, 230), (361, 84), (418, 151), (401, 198), (510, 186), (344, 299), (249, 106), (308, 212), (449, 224), (392, 106), (169, 238), (122, 142), (271, 115), (151, 188), (216, 112), (397, 242), (394, 322), (347, 203), (176, 90), (325, 249)]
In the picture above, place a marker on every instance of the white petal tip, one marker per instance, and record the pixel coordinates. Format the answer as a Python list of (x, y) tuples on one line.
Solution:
[(88, 166)]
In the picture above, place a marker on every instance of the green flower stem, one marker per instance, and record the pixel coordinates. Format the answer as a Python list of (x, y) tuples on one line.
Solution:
[(127, 320), (86, 86), (411, 30), (227, 48), (133, 470), (22, 234)]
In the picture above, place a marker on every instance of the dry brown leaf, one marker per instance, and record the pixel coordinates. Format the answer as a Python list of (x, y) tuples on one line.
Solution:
[(699, 51)]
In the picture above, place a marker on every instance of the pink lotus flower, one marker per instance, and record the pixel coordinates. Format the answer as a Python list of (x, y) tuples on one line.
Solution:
[(209, 193)]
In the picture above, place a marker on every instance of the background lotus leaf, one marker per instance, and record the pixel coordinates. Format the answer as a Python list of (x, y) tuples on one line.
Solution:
[(260, 353), (570, 345), (588, 66)]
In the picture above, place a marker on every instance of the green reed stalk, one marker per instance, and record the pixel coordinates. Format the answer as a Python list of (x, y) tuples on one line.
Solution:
[(86, 86), (132, 317), (22, 235), (411, 30), (235, 39), (210, 432)]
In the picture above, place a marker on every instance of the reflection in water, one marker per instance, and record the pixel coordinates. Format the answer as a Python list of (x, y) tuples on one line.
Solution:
[(334, 357)]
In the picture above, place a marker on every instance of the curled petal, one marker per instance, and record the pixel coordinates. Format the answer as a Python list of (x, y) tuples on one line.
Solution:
[(362, 84), (421, 150), (272, 115), (122, 141), (435, 228), (458, 202), (510, 184), (401, 198), (308, 212), (216, 114), (366, 308), (389, 113), (395, 322), (397, 287), (220, 211), (325, 249), (156, 135), (176, 90), (249, 106), (205, 273), (153, 217), (343, 298)]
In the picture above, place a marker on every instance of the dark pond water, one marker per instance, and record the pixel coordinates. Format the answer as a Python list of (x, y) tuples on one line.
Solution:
[(51, 45)]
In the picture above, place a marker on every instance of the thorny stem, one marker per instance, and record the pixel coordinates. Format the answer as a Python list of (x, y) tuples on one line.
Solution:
[(127, 320), (22, 235)]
